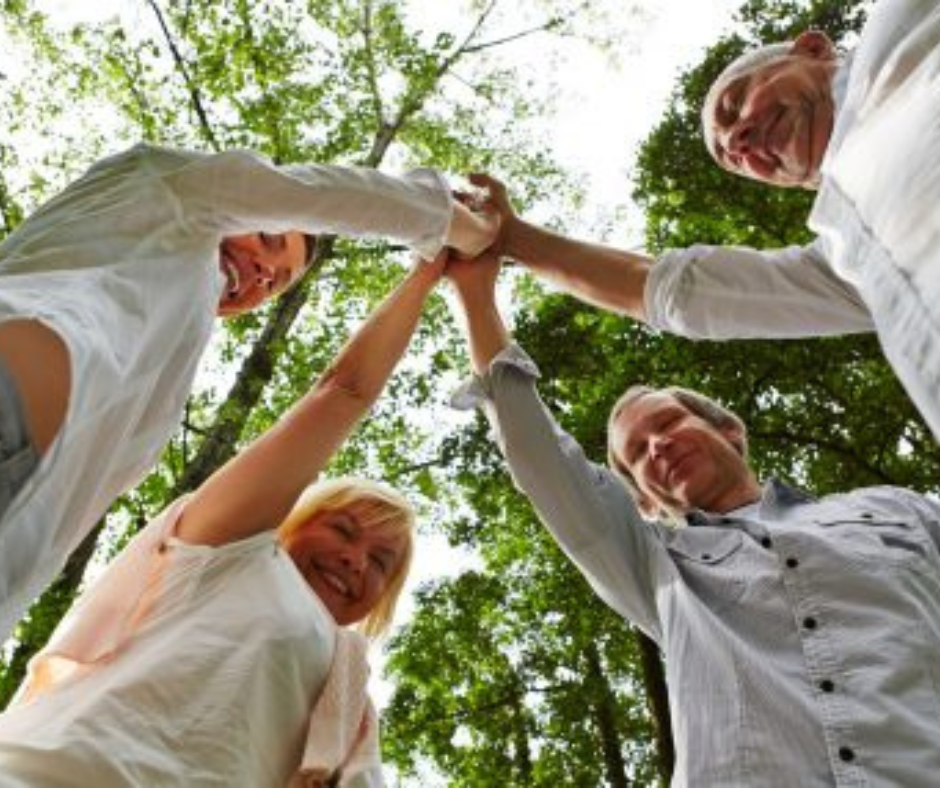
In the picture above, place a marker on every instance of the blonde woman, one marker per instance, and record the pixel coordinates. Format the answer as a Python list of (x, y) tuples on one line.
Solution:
[(213, 651)]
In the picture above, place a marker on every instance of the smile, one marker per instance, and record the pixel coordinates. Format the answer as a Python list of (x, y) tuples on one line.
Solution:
[(234, 278), (336, 583)]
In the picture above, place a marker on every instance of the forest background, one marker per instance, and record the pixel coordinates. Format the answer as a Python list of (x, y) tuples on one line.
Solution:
[(508, 670)]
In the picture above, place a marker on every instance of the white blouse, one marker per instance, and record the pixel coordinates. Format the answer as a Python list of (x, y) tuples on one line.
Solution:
[(215, 687)]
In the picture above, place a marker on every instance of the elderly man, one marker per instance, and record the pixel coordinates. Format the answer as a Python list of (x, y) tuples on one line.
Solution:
[(863, 131), (801, 635), (108, 295)]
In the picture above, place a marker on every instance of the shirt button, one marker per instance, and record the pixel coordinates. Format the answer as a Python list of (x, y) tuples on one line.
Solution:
[(706, 556), (826, 685), (809, 622), (767, 542), (867, 516), (846, 754), (792, 563)]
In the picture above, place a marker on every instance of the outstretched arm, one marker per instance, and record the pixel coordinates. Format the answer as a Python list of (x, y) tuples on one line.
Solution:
[(475, 284), (587, 510), (255, 490), (601, 275)]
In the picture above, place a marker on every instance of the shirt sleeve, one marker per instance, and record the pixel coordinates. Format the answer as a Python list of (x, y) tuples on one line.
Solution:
[(241, 192), (715, 292), (585, 507)]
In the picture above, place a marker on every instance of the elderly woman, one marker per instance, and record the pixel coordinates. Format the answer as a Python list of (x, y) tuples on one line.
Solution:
[(213, 650)]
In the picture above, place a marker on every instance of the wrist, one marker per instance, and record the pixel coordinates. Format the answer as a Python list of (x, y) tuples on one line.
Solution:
[(476, 293)]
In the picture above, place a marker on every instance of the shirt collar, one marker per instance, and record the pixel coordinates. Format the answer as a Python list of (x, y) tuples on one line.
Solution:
[(775, 497)]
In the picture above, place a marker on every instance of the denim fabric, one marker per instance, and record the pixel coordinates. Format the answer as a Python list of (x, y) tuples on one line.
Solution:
[(18, 455)]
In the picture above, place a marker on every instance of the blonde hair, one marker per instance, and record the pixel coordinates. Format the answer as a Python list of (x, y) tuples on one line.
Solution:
[(698, 404), (374, 506)]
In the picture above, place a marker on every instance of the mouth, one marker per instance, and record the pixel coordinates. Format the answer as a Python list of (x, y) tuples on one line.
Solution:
[(337, 583), (678, 468), (233, 276)]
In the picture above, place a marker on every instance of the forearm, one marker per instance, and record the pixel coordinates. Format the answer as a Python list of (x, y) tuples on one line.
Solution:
[(365, 363), (256, 489), (601, 275), (486, 332)]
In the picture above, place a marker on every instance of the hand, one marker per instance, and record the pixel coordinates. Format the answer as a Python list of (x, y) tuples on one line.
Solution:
[(430, 272), (497, 201), (475, 226), (471, 276)]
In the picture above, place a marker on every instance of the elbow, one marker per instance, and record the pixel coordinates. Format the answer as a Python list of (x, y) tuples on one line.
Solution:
[(342, 384)]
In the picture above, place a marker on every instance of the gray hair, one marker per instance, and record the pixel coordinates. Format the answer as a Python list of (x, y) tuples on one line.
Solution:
[(704, 407)]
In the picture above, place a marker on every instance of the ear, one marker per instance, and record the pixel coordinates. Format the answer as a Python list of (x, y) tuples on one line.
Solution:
[(814, 44)]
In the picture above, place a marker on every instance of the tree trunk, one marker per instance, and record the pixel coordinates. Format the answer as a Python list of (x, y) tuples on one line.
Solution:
[(657, 698), (605, 718)]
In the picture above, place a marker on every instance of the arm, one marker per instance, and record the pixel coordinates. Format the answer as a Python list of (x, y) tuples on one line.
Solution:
[(600, 275), (720, 292), (241, 192), (255, 490), (583, 505)]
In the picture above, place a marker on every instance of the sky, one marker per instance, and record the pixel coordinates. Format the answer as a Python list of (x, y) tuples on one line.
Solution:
[(607, 103)]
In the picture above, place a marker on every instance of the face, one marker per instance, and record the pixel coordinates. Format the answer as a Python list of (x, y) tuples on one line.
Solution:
[(257, 267), (349, 567), (774, 124), (678, 460)]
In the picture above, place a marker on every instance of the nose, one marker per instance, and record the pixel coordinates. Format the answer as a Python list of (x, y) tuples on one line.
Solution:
[(264, 275), (741, 137), (354, 560), (659, 445)]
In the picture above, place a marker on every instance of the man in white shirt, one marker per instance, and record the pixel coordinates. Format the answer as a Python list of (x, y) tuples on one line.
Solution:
[(860, 130), (800, 635), (108, 295)]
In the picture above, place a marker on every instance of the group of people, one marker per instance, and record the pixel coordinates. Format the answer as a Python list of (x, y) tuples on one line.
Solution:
[(801, 635)]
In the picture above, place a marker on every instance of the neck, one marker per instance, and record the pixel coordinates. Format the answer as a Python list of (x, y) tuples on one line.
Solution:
[(747, 492)]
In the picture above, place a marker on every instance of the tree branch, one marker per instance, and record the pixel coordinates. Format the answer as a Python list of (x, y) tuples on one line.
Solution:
[(194, 94), (366, 30)]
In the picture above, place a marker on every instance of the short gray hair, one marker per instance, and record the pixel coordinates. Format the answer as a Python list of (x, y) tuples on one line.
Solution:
[(717, 415)]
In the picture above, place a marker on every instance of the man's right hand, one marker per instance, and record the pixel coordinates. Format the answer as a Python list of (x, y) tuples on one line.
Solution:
[(497, 200)]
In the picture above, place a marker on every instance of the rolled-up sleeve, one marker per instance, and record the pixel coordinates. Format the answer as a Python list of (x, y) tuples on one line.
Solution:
[(716, 292), (240, 192), (584, 506)]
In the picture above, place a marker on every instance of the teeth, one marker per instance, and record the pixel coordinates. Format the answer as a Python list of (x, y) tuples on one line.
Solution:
[(234, 279), (336, 583)]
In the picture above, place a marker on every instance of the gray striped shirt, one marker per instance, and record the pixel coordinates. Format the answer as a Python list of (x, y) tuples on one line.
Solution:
[(801, 636)]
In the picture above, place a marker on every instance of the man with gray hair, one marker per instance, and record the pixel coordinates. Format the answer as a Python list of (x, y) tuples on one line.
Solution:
[(800, 635), (862, 131)]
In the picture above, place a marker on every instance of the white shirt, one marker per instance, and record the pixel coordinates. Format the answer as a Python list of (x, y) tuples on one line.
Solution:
[(801, 636), (124, 266), (215, 686), (876, 262)]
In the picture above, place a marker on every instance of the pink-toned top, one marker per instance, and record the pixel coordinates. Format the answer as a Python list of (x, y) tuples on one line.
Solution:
[(193, 665)]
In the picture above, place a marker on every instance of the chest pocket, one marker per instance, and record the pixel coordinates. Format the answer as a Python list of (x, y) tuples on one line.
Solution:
[(878, 538), (706, 563)]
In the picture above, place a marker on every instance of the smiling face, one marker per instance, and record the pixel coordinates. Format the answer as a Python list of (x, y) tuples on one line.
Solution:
[(678, 460), (349, 566), (259, 266), (773, 122)]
